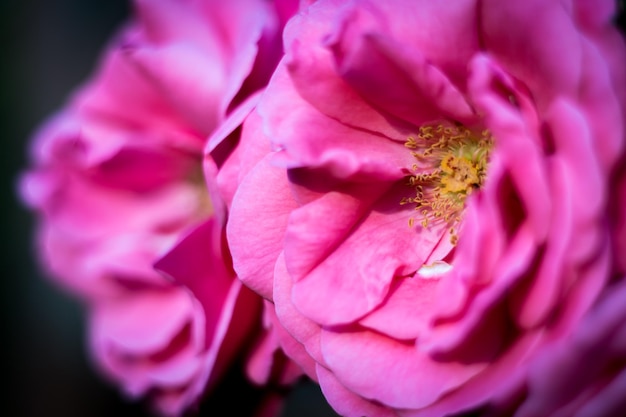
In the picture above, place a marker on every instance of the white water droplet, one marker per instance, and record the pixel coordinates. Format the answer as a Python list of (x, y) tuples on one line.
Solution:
[(434, 270)]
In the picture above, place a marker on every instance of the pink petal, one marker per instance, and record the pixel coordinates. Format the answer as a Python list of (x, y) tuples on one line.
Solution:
[(501, 375), (514, 262), (142, 169), (595, 12), (414, 22), (602, 95), (255, 231), (535, 41), (610, 401), (564, 369), (237, 322), (513, 137), (222, 164), (407, 311), (120, 81), (311, 65), (196, 262), (385, 244), (543, 290), (368, 59), (292, 348), (584, 170), (126, 323), (300, 327), (180, 71), (324, 142), (345, 402), (365, 362)]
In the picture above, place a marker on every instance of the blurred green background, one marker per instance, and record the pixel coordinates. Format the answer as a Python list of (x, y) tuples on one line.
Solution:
[(48, 49)]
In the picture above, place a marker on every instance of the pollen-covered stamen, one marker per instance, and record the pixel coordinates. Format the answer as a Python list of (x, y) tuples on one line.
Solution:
[(450, 163)]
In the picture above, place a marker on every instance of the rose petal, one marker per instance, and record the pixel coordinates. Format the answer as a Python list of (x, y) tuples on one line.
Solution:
[(255, 232), (366, 362)]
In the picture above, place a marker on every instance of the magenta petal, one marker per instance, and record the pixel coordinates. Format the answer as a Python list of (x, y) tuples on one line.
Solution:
[(301, 328), (587, 285), (237, 321), (234, 120), (37, 188), (259, 363), (419, 93), (574, 234), (316, 229), (595, 12), (152, 119), (315, 76), (535, 41), (365, 362), (57, 139), (619, 228), (177, 371), (407, 311), (546, 285), (608, 402), (501, 374), (562, 370), (182, 71), (294, 350), (169, 403), (385, 244), (345, 402), (312, 69), (450, 333), (229, 154), (196, 263), (415, 22), (603, 94), (583, 169), (124, 322), (325, 142), (255, 231), (161, 21), (566, 120), (514, 136), (142, 168)]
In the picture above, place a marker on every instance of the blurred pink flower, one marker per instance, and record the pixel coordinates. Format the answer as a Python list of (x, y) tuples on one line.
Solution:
[(127, 220), (423, 197)]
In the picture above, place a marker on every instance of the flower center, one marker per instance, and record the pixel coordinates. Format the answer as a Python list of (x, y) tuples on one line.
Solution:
[(196, 178), (450, 164)]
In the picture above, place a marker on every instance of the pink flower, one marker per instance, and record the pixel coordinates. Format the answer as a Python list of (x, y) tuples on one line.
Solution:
[(423, 198), (128, 222)]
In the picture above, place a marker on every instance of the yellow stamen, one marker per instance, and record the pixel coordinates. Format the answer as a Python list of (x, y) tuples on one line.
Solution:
[(450, 164)]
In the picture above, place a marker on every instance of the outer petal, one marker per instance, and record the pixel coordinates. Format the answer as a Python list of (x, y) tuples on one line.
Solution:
[(345, 402), (301, 328), (366, 362), (255, 231)]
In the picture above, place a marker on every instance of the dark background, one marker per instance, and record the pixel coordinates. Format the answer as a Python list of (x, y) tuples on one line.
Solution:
[(48, 48)]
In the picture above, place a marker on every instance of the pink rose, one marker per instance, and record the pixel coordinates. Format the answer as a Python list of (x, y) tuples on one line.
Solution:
[(128, 221), (423, 197)]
